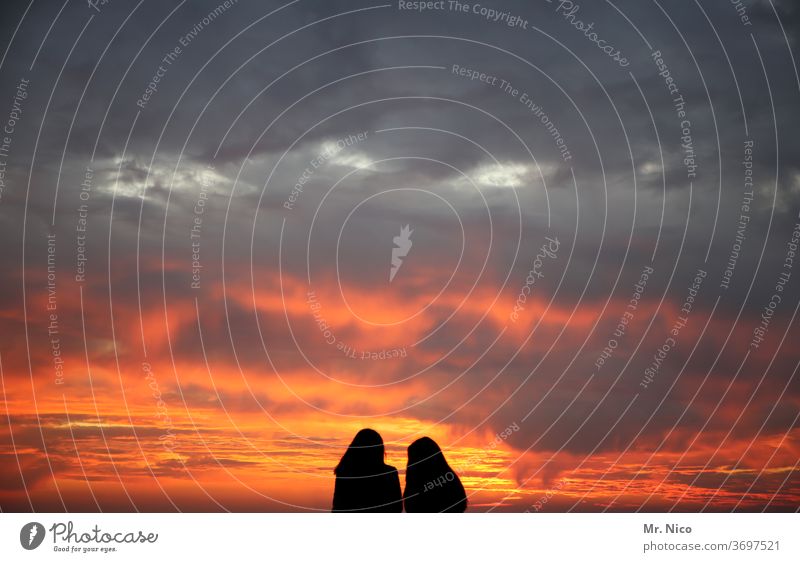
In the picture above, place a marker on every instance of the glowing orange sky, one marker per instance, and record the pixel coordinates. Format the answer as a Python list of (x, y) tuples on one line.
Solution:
[(257, 439)]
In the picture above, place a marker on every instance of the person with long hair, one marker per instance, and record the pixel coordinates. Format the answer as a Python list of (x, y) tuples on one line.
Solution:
[(364, 482), (431, 485)]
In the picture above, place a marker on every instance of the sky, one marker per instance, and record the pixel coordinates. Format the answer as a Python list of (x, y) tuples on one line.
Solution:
[(560, 238)]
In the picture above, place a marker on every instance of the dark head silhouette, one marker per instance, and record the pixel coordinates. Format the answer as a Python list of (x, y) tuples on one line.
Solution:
[(363, 481), (431, 485)]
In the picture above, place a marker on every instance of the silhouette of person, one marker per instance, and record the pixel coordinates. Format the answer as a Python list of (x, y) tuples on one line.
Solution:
[(364, 483), (431, 485)]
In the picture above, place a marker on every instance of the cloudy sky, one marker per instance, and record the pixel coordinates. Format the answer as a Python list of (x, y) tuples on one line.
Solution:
[(557, 237)]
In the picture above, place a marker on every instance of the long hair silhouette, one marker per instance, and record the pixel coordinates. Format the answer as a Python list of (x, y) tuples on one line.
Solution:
[(364, 482), (431, 485)]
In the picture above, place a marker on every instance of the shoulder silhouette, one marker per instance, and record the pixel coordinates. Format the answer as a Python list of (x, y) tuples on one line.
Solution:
[(364, 482), (431, 485)]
